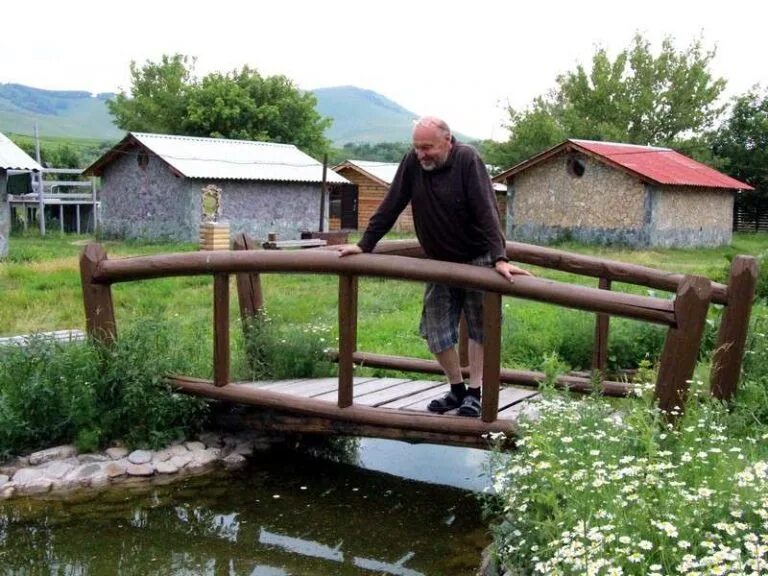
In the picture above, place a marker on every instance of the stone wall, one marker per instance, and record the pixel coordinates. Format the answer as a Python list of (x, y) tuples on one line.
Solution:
[(258, 208), (693, 217), (5, 214), (150, 202), (147, 202), (549, 202)]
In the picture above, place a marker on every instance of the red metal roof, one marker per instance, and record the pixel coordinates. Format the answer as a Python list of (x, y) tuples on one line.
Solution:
[(662, 166)]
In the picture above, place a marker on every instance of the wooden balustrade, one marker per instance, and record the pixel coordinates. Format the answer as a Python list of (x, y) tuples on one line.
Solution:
[(737, 296), (685, 317)]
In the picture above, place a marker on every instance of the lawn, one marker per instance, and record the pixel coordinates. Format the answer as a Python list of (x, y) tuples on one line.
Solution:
[(40, 284)]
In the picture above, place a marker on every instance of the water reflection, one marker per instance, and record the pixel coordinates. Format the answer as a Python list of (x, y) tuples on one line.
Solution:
[(317, 550), (285, 515), (449, 465)]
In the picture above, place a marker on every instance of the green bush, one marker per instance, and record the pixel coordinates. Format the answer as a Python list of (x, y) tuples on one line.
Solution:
[(92, 395), (46, 393)]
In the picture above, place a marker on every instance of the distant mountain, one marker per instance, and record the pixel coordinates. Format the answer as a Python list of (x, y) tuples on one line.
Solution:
[(363, 116), (359, 116), (60, 113)]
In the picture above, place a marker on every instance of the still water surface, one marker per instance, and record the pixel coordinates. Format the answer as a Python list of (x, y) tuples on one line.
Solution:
[(402, 510)]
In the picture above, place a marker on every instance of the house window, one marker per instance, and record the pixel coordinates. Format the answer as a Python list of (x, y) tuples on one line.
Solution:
[(142, 158), (576, 164)]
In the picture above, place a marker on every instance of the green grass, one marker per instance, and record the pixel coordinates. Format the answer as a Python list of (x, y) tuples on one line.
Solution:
[(40, 283)]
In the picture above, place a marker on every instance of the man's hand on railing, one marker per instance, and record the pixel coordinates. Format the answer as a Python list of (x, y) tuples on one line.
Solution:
[(510, 270), (348, 249)]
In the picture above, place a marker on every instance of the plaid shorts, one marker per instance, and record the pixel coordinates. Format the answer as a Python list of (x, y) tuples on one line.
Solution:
[(442, 310)]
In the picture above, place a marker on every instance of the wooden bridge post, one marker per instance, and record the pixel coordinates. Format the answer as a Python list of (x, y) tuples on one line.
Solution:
[(600, 346), (249, 294), (491, 355), (97, 298), (734, 324), (347, 336), (681, 347), (221, 329)]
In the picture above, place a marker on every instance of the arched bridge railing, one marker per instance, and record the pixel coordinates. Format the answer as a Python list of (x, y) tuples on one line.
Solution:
[(685, 316)]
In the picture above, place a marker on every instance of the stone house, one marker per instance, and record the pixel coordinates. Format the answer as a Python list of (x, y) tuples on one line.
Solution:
[(605, 192), (12, 158), (151, 187)]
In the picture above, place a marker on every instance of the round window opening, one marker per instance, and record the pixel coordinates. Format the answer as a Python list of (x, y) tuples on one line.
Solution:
[(576, 166)]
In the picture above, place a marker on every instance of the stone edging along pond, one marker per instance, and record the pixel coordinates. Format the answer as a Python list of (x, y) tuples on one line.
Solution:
[(60, 469)]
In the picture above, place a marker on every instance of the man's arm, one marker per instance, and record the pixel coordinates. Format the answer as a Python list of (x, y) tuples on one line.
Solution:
[(395, 201)]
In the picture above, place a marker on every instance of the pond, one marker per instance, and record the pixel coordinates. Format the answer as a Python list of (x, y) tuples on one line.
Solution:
[(290, 512)]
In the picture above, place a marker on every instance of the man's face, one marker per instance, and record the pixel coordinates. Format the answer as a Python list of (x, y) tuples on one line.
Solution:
[(432, 146)]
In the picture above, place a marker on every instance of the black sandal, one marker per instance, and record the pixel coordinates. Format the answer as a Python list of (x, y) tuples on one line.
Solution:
[(470, 407), (441, 405)]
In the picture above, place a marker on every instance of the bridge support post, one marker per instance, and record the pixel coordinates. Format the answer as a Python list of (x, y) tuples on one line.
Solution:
[(221, 329), (491, 355), (97, 298), (600, 347), (734, 324), (681, 348), (347, 337), (249, 294)]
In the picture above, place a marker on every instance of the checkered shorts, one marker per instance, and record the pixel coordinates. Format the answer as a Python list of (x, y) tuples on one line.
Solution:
[(442, 310)]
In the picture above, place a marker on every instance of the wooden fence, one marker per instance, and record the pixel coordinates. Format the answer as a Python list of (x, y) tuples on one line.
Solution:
[(685, 316)]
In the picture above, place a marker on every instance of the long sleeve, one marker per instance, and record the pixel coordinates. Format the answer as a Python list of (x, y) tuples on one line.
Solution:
[(394, 203), (485, 210)]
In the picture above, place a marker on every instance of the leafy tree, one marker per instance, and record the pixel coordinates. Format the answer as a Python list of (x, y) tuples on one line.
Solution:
[(166, 97), (247, 106), (742, 143), (636, 98), (158, 98)]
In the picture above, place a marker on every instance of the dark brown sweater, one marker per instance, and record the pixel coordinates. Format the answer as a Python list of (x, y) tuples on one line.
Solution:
[(454, 207)]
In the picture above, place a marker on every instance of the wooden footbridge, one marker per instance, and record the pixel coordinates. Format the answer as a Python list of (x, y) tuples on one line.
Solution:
[(395, 408)]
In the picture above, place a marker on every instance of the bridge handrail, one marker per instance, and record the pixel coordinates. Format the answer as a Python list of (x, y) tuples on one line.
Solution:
[(657, 310), (685, 316), (576, 264)]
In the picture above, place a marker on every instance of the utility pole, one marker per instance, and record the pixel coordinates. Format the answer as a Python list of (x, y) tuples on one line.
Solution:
[(40, 199), (323, 193)]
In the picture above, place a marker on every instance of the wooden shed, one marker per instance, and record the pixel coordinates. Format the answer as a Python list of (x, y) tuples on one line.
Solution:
[(152, 187), (606, 192), (372, 180)]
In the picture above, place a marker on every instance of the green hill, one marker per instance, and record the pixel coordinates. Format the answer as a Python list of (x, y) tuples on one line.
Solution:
[(359, 116), (59, 113)]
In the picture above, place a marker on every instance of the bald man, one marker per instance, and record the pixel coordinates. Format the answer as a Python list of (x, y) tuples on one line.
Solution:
[(456, 220)]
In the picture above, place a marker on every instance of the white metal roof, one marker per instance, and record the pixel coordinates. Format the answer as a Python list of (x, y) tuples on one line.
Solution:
[(14, 158), (217, 158), (384, 171)]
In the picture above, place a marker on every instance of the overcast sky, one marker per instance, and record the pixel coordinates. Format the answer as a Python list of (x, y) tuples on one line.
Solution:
[(463, 61)]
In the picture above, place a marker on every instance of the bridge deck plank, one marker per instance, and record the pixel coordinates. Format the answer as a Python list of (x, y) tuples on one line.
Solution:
[(363, 389), (383, 407)]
